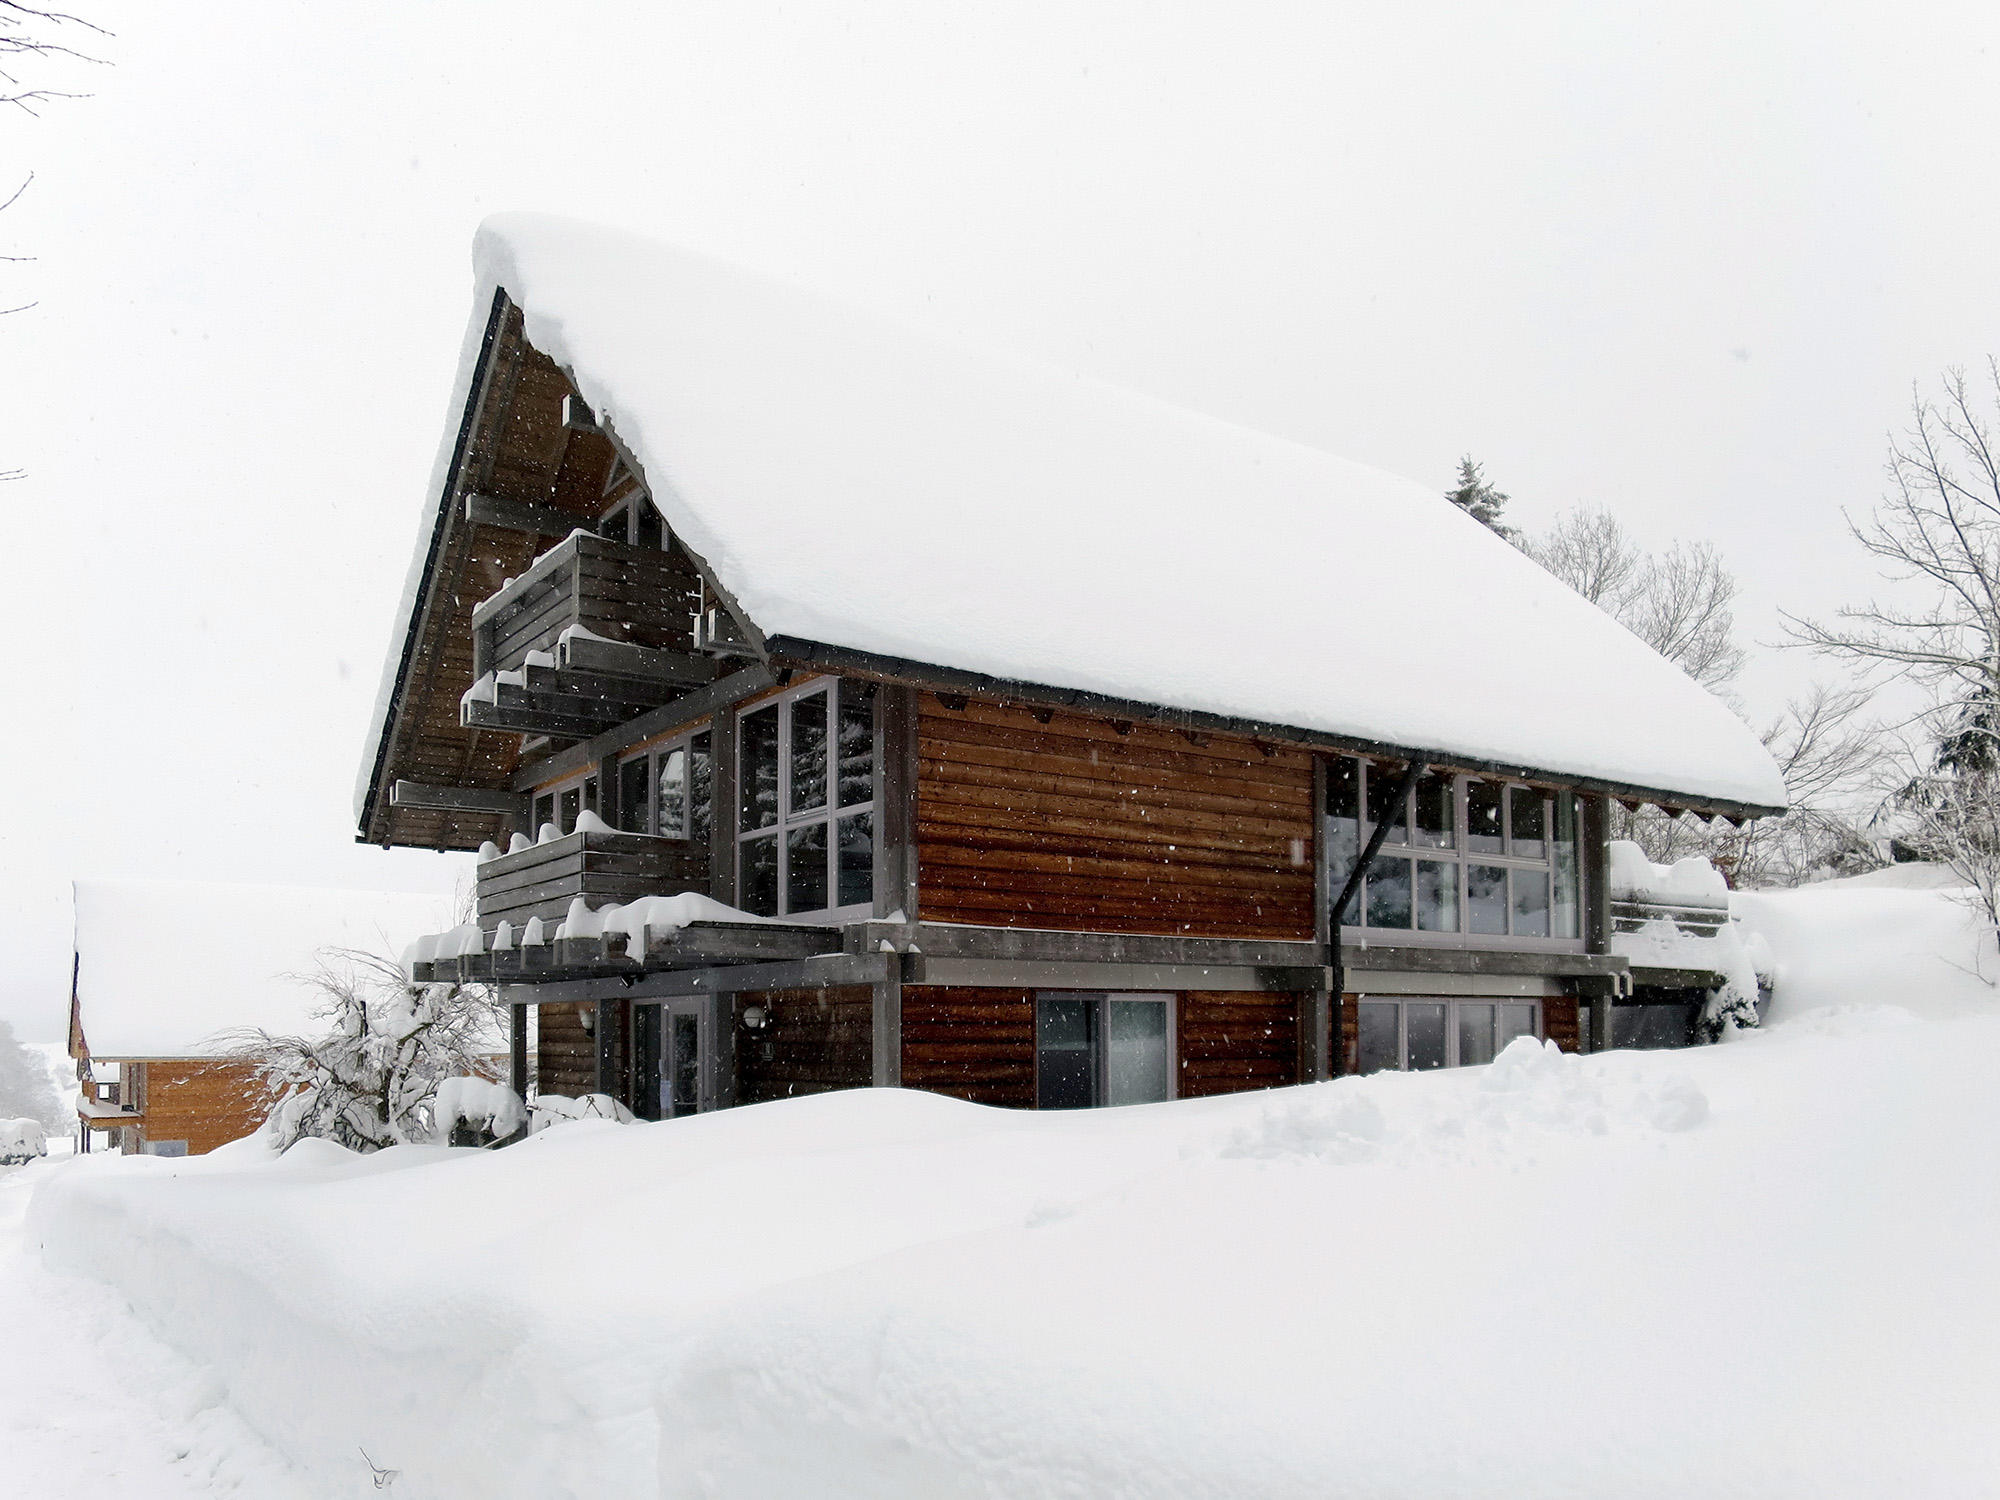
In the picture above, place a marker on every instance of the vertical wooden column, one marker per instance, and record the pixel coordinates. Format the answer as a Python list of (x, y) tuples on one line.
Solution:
[(517, 1048), (607, 1048), (722, 808), (887, 1072), (1317, 1008), (1594, 1018), (896, 801)]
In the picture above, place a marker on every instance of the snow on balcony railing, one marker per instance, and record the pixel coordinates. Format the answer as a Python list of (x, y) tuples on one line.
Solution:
[(1676, 918)]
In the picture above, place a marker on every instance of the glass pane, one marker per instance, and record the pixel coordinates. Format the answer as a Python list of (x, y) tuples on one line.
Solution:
[(545, 813), (1383, 807), (569, 804), (805, 868), (701, 786), (1531, 903), (632, 795), (1531, 833), (615, 525), (856, 856), (649, 531), (1437, 807), (1437, 896), (1483, 830), (1135, 1052), (1565, 916), (1486, 900), (857, 743), (1387, 902), (590, 794), (1475, 1035), (1066, 1074), (808, 753), (760, 768), (684, 1097), (673, 794), (1343, 820), (649, 1093), (758, 881), (1515, 1020), (1378, 1045), (1424, 1023)]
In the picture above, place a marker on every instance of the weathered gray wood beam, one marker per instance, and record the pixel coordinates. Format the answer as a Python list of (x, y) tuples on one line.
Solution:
[(946, 940), (1009, 973), (458, 798), (518, 515), (687, 709), (622, 659), (476, 713), (1416, 960)]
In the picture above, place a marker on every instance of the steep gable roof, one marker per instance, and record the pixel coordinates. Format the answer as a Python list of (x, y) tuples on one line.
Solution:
[(855, 484)]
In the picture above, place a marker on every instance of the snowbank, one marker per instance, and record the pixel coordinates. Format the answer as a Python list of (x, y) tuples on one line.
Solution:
[(1761, 1270), (21, 1141), (783, 436)]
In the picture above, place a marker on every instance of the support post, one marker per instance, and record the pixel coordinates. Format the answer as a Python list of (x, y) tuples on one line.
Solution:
[(888, 1015), (607, 1047), (517, 1049), (722, 807)]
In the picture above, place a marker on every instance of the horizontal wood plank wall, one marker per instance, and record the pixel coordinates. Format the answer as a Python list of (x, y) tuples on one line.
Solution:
[(973, 1044), (206, 1104), (813, 1041), (1233, 1042), (565, 1054), (1072, 824), (1559, 1025)]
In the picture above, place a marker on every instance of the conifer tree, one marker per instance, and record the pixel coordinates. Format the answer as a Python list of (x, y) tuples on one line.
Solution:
[(1478, 498)]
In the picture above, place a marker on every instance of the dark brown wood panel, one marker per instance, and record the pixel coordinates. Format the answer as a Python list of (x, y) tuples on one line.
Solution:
[(1231, 1042), (814, 1041), (565, 1054), (1027, 818), (973, 1044)]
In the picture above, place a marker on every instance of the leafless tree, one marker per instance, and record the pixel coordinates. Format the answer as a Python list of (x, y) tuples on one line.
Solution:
[(30, 34), (1680, 602)]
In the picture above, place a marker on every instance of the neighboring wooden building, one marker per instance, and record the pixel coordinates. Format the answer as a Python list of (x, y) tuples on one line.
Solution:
[(1029, 734), (165, 976)]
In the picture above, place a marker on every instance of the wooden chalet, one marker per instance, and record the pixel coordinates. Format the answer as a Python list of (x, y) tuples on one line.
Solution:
[(1036, 743), (151, 1039)]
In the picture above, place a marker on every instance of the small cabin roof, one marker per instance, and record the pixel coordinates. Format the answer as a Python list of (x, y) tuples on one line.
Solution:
[(860, 485), (168, 968)]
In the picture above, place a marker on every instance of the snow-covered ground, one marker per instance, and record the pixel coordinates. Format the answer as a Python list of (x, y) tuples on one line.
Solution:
[(1764, 1269)]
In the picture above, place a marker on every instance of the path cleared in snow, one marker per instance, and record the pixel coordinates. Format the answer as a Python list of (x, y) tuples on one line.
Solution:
[(92, 1403)]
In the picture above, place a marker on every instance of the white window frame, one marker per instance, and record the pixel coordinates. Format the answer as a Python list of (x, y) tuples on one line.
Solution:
[(830, 814), (1451, 1004), (1100, 1062), (1357, 929)]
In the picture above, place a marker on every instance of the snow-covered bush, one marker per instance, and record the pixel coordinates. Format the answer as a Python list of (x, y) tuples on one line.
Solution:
[(21, 1141), (476, 1111), (370, 1079), (25, 1087), (554, 1109)]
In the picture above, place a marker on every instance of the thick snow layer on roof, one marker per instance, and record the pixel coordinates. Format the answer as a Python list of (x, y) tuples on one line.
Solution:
[(168, 968)]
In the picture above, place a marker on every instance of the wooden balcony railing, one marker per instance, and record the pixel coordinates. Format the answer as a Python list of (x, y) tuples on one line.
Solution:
[(600, 866)]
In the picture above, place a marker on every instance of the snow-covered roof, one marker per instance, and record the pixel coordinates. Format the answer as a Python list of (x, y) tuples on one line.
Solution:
[(168, 968), (857, 484)]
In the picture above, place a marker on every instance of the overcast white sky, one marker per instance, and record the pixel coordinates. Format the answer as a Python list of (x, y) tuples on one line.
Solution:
[(1683, 261)]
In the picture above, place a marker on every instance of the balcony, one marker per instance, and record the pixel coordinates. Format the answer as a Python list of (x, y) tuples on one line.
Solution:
[(595, 633), (603, 867)]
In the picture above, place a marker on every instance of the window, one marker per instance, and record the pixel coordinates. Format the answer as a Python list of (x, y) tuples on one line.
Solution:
[(1419, 1034), (561, 806), (1102, 1049), (805, 823), (637, 523), (667, 790), (1467, 860)]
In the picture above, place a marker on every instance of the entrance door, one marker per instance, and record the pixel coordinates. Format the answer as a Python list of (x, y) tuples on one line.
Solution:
[(671, 1049)]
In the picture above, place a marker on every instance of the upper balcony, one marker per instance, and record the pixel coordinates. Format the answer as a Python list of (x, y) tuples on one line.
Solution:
[(593, 634)]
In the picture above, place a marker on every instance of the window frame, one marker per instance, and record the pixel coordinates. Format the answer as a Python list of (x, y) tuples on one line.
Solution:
[(828, 815), (1100, 1063), (1358, 930), (651, 755), (1451, 1004), (589, 797)]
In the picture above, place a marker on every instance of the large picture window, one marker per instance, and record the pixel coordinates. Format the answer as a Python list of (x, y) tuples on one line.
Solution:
[(1421, 1033), (1465, 860), (805, 829), (1102, 1049)]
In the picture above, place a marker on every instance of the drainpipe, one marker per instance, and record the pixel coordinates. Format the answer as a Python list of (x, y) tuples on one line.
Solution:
[(1411, 770)]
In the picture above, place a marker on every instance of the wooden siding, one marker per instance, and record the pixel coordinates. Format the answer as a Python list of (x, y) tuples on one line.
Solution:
[(973, 1044), (206, 1104), (565, 1054), (600, 867), (814, 1041), (1060, 820), (1232, 1042)]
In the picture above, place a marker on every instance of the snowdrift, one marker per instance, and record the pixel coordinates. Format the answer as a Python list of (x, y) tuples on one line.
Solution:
[(1763, 1269)]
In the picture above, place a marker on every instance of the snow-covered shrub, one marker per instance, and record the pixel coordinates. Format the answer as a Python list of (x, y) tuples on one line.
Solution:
[(370, 1079), (25, 1087), (21, 1141), (554, 1109), (476, 1111)]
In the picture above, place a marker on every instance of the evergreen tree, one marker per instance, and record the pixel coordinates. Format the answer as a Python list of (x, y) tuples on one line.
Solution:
[(26, 1090), (1477, 497)]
